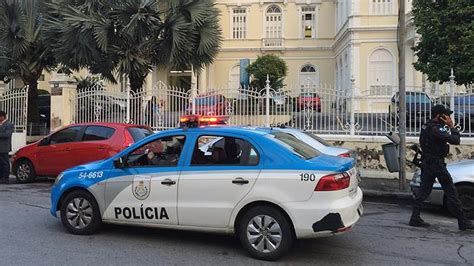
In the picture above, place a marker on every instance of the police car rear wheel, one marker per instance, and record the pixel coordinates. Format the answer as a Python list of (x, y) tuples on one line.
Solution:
[(265, 233), (80, 213)]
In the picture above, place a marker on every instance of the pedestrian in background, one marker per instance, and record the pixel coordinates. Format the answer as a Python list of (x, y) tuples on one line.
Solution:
[(6, 131), (435, 137)]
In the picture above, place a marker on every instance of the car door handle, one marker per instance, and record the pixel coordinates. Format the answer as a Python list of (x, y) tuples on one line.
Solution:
[(168, 182), (240, 181), (67, 149), (102, 148)]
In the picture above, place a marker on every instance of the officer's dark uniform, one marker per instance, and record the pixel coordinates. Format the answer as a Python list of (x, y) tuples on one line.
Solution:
[(434, 139)]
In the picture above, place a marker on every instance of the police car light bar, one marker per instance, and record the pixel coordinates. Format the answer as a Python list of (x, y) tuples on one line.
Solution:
[(191, 121)]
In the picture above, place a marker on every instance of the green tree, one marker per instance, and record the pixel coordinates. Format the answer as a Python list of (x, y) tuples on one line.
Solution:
[(270, 65), (447, 39), (130, 37), (23, 53), (89, 82)]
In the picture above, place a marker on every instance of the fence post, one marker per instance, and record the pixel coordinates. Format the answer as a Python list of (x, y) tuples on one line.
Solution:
[(127, 118), (352, 119), (451, 93), (194, 90), (267, 102)]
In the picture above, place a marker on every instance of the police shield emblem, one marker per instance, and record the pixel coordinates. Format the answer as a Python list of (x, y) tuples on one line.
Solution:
[(141, 187)]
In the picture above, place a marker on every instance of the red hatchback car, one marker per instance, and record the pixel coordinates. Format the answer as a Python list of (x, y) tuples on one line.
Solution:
[(209, 105), (309, 100), (74, 145)]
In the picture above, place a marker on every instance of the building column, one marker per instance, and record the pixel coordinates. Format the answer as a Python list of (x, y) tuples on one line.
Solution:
[(202, 81), (63, 100)]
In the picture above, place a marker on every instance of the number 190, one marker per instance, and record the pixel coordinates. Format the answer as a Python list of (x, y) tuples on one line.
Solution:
[(308, 177)]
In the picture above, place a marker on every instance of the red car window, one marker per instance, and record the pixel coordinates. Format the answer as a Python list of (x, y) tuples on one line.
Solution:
[(70, 134), (95, 133), (139, 133)]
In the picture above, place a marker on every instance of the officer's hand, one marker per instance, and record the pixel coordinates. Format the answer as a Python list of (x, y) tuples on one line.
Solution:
[(447, 120)]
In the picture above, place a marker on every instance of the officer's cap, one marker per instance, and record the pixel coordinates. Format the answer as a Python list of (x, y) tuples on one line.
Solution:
[(440, 109)]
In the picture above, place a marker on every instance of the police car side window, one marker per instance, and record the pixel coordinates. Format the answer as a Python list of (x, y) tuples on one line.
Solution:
[(162, 152), (220, 150)]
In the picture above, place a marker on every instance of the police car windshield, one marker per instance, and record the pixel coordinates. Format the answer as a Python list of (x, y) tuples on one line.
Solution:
[(294, 145)]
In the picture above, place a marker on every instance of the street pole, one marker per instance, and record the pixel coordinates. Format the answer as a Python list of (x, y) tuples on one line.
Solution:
[(451, 94), (267, 102), (402, 94)]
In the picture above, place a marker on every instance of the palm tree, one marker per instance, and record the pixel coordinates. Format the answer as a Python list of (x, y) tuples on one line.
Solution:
[(129, 37), (23, 53)]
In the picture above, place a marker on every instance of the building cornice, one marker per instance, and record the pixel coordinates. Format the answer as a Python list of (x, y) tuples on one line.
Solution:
[(279, 49)]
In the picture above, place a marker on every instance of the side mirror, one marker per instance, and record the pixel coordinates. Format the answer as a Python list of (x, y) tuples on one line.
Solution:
[(118, 163)]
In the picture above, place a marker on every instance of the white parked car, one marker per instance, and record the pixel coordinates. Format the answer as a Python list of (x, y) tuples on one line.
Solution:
[(463, 177), (319, 143)]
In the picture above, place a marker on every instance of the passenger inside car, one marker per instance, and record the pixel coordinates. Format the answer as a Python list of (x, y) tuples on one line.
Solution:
[(216, 150)]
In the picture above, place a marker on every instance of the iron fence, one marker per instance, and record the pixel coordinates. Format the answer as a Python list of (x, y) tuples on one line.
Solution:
[(15, 103), (321, 109)]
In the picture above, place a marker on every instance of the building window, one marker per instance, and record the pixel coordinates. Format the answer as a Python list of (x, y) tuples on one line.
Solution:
[(309, 77), (308, 19), (381, 72), (239, 23), (381, 7), (234, 78), (273, 22)]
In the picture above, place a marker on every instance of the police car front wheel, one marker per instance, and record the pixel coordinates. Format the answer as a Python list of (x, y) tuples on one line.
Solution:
[(80, 213), (265, 233)]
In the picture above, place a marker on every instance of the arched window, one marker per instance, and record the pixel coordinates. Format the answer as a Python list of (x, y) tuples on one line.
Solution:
[(309, 77), (273, 22), (234, 78), (381, 72)]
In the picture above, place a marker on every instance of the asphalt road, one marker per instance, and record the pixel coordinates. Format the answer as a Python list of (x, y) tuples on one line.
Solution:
[(29, 235)]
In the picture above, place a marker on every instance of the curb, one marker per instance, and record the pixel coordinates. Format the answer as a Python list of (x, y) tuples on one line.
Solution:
[(370, 193)]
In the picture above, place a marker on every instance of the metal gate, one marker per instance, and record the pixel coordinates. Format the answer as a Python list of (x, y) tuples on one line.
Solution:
[(160, 108), (15, 103), (316, 108)]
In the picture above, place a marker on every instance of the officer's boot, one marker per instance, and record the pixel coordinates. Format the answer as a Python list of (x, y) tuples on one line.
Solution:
[(465, 224), (416, 220)]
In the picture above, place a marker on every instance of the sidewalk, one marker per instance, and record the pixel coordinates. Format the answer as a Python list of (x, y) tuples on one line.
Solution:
[(384, 185)]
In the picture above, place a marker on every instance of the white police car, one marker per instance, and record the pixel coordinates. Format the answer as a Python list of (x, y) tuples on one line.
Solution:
[(264, 185)]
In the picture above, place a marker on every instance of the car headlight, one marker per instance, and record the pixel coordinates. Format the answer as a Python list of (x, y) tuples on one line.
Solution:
[(58, 178)]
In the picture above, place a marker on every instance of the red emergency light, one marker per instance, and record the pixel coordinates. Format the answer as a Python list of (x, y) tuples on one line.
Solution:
[(191, 121)]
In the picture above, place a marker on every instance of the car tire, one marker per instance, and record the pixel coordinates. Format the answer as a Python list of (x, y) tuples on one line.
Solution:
[(80, 213), (268, 242), (25, 172), (466, 196)]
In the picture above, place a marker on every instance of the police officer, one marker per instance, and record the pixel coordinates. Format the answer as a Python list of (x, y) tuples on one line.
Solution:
[(434, 138)]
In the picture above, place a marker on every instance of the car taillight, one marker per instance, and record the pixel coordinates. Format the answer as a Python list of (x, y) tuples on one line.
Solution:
[(346, 155), (333, 182)]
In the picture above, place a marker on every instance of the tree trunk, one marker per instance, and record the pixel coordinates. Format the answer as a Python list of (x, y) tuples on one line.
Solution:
[(33, 112), (137, 114)]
